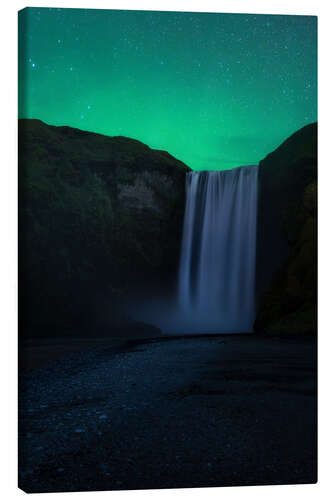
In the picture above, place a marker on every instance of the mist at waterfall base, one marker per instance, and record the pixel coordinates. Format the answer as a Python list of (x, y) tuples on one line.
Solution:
[(216, 286)]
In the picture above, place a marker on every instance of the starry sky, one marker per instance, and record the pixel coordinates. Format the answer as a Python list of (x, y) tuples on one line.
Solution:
[(215, 90)]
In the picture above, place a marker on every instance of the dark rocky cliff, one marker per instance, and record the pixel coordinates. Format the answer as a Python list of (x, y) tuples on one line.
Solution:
[(287, 236), (99, 217)]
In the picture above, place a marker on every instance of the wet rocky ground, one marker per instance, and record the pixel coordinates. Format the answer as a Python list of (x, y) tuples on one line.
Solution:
[(169, 412)]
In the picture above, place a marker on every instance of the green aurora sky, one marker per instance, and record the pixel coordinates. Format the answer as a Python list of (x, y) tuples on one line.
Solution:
[(214, 90)]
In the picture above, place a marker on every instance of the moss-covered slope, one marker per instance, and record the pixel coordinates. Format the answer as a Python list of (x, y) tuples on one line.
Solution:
[(98, 218), (287, 236)]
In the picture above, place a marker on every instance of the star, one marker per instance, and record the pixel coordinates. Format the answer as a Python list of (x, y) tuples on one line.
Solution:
[(249, 63)]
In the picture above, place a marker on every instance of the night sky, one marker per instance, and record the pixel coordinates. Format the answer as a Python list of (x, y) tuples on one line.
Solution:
[(214, 90)]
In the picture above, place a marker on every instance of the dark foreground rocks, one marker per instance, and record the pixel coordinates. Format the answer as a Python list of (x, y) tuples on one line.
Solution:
[(171, 413)]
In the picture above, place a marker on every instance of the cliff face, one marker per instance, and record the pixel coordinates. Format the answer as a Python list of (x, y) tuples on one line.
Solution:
[(99, 218), (287, 236)]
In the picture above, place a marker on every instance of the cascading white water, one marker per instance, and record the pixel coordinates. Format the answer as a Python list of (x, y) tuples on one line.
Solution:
[(217, 267)]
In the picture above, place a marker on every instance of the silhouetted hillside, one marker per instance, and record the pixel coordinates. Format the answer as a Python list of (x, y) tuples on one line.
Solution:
[(287, 236), (99, 217)]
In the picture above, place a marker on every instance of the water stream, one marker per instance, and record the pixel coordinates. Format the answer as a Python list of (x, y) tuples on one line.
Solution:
[(218, 254)]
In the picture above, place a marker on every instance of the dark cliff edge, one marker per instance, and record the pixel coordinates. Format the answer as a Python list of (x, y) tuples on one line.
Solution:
[(286, 271), (99, 218)]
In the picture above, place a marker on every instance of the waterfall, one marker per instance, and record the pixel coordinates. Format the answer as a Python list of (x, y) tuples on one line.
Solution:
[(217, 265)]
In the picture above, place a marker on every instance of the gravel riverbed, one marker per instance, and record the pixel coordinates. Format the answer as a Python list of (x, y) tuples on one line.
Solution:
[(170, 412)]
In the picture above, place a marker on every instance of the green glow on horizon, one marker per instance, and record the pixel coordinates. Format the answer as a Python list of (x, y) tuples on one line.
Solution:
[(214, 90)]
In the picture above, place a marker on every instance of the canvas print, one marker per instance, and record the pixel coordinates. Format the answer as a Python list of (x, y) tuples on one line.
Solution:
[(167, 249)]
